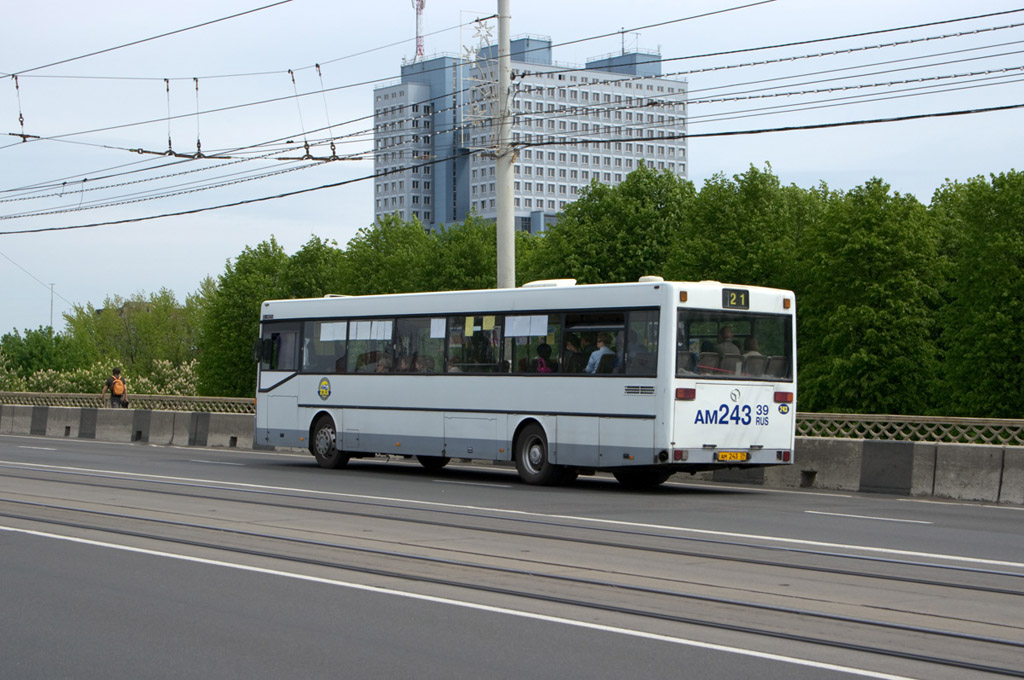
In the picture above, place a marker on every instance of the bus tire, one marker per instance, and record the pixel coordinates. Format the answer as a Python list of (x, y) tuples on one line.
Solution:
[(532, 461), (433, 463), (641, 479), (324, 445)]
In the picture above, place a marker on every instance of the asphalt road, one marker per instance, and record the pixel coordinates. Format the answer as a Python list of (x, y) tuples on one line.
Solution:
[(131, 561)]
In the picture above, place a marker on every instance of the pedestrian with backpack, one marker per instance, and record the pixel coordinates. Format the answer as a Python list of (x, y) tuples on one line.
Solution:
[(118, 389)]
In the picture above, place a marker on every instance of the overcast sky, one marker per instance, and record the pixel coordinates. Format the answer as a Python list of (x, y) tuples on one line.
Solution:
[(86, 119)]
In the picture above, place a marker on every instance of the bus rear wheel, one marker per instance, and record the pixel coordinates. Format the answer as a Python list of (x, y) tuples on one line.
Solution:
[(532, 458), (324, 445), (433, 463), (641, 479)]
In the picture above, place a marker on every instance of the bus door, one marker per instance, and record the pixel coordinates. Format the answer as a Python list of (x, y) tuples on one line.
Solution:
[(278, 399)]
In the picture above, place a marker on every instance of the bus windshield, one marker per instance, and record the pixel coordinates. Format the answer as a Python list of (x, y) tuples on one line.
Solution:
[(734, 346)]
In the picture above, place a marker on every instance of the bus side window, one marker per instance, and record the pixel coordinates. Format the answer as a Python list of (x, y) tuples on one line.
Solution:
[(532, 342), (280, 347), (419, 343), (323, 346), (370, 346), (642, 343), (474, 344)]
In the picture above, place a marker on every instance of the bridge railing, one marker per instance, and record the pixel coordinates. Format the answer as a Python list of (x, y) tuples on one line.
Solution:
[(150, 402), (828, 425), (911, 428)]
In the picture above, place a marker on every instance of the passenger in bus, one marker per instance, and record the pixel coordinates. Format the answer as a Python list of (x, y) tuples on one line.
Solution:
[(453, 366), (543, 362), (383, 364), (754, 362), (636, 343), (575, 361), (404, 364), (604, 340), (750, 347), (725, 344)]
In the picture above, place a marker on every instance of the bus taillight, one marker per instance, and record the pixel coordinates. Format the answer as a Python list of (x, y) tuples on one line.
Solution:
[(686, 393), (783, 397)]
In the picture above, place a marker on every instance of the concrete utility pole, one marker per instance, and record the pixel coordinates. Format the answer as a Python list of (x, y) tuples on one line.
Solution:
[(505, 156)]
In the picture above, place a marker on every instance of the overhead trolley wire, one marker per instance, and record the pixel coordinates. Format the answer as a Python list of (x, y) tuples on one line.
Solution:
[(575, 110), (220, 76), (798, 43), (144, 40), (367, 82), (732, 133), (440, 131), (660, 60)]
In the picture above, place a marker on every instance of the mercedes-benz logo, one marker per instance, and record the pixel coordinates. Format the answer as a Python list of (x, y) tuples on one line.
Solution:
[(735, 395)]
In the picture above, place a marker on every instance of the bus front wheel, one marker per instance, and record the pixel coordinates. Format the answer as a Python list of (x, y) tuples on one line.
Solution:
[(532, 457), (324, 445)]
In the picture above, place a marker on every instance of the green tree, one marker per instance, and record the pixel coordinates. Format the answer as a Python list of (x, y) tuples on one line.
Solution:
[(743, 230), (315, 270), (136, 331), (983, 319), (866, 315), (42, 349), (392, 256), (613, 234), (230, 322), (464, 256)]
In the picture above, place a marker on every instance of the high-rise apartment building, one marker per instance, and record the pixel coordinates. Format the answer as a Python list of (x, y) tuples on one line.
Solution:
[(571, 125)]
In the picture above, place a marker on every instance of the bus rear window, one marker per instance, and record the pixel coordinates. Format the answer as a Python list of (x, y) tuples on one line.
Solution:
[(734, 346)]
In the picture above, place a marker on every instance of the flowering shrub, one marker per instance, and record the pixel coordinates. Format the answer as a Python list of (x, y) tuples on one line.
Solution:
[(10, 381), (164, 379)]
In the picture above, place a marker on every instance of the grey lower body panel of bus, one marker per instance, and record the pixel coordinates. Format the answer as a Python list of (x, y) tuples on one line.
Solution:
[(573, 440)]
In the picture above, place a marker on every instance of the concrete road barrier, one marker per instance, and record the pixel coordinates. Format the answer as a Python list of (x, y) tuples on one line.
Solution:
[(969, 472)]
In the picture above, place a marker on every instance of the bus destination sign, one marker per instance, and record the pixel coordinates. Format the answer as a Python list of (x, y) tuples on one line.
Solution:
[(735, 298)]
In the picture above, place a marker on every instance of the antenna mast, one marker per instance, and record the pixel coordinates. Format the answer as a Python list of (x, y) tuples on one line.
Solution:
[(418, 6)]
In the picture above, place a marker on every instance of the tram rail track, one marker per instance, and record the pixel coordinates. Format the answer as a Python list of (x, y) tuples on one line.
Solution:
[(557, 528), (655, 604)]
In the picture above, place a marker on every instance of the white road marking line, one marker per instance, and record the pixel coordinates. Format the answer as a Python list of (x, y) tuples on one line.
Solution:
[(37, 448), (471, 605), (963, 505), (877, 519), (525, 513), (215, 462)]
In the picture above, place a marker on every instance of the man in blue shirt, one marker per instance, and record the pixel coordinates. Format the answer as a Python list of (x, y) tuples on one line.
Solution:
[(603, 349)]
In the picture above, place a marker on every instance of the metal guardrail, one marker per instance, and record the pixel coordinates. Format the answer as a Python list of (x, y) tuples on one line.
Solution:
[(829, 425), (148, 402), (912, 428)]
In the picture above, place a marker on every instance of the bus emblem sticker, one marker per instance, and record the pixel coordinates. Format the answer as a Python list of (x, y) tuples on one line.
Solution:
[(325, 389), (783, 409)]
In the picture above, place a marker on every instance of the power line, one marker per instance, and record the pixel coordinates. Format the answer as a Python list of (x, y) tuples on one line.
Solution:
[(220, 76), (805, 42), (659, 60), (143, 40), (44, 285), (440, 131), (359, 84), (795, 128), (333, 185)]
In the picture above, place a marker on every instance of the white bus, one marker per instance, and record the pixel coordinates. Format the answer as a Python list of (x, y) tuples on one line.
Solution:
[(638, 379)]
